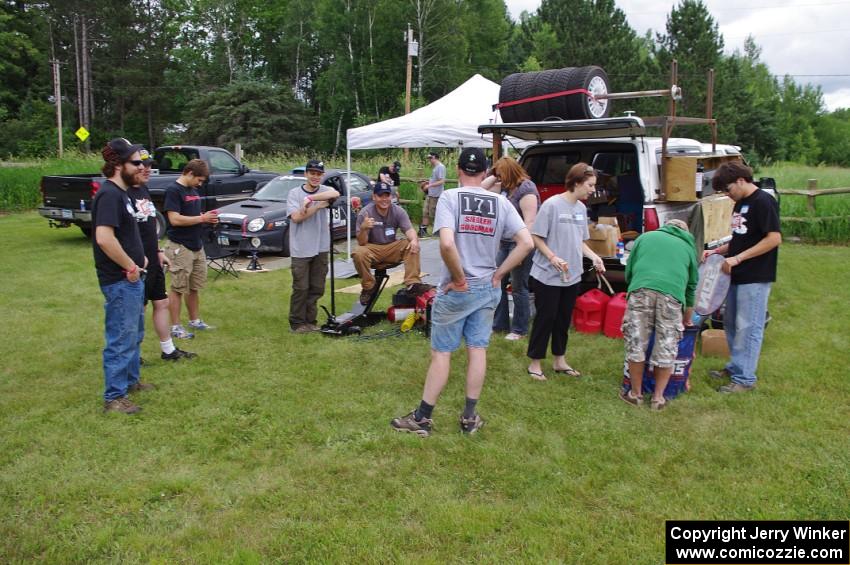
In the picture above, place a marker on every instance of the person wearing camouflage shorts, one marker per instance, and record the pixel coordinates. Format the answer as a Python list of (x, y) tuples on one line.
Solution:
[(662, 277)]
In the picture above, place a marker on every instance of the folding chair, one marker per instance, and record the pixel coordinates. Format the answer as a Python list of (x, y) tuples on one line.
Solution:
[(219, 259)]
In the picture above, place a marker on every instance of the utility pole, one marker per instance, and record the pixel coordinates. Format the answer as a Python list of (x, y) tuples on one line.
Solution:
[(57, 94), (412, 51)]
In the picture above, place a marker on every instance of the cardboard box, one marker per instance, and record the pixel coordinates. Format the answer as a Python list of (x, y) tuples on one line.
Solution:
[(603, 238), (714, 344)]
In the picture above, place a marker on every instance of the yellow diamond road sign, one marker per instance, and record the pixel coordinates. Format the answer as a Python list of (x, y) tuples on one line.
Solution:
[(82, 133)]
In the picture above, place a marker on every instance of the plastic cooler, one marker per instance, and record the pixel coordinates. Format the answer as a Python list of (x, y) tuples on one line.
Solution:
[(589, 311), (680, 378), (614, 312)]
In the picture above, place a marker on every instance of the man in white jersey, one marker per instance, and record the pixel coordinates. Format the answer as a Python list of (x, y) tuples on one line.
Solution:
[(471, 222)]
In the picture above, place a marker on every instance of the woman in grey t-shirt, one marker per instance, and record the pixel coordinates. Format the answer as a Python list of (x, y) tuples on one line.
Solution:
[(510, 178), (559, 233)]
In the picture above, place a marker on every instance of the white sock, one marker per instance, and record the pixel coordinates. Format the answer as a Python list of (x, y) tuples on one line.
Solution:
[(167, 346)]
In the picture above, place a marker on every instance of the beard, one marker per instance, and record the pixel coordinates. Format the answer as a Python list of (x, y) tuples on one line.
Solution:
[(132, 179)]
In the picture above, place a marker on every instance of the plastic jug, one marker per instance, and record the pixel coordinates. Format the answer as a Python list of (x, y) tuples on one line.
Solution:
[(589, 311), (614, 312)]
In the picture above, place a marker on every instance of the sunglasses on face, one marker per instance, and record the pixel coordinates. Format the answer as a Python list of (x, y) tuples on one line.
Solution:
[(136, 162)]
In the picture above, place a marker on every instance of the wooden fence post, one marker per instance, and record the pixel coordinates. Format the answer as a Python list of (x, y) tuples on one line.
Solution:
[(810, 198)]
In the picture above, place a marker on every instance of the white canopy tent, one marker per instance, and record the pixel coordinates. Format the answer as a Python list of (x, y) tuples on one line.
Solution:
[(450, 122)]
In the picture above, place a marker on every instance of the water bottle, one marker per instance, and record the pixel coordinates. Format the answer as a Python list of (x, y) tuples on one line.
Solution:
[(82, 205), (621, 248)]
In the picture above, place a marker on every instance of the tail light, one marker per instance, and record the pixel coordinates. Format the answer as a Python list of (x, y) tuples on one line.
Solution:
[(650, 218), (94, 186)]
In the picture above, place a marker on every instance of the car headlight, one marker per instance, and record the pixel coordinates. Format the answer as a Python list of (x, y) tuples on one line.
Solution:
[(256, 224)]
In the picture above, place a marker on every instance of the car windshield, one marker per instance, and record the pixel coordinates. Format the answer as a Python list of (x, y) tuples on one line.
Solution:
[(278, 189)]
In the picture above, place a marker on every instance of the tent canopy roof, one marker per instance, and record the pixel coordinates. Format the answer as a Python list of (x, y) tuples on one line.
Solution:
[(451, 121)]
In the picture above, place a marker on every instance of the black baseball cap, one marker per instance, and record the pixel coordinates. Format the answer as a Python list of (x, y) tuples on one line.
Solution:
[(472, 161), (123, 148), (397, 164), (382, 188), (315, 165)]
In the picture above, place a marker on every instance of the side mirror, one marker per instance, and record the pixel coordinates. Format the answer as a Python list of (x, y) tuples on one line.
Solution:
[(243, 169)]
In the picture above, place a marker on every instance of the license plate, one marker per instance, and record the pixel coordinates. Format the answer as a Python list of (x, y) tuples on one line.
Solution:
[(67, 214), (222, 240)]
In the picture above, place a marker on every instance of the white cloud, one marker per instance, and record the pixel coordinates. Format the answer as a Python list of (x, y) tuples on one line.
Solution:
[(809, 41)]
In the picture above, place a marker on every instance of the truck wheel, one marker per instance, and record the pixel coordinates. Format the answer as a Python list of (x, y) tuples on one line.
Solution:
[(87, 231), (161, 225), (507, 93), (573, 107)]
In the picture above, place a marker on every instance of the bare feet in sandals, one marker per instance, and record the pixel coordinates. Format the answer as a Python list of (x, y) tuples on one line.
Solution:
[(567, 370), (536, 375)]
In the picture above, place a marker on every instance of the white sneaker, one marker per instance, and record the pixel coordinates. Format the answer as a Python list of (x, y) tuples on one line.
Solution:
[(200, 325), (180, 332), (514, 336)]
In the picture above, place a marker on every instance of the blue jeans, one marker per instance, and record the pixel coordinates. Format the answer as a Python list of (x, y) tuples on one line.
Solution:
[(746, 309), (125, 322), (463, 314), (519, 285)]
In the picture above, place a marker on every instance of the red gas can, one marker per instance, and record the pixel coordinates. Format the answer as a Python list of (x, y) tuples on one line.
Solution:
[(614, 312), (589, 311)]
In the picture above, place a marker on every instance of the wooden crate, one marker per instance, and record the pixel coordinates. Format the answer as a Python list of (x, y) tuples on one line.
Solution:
[(716, 217), (680, 184)]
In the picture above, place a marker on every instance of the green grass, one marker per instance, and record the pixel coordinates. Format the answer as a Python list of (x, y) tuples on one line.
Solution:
[(272, 447)]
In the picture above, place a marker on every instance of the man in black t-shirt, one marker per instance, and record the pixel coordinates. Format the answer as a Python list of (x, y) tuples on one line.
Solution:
[(157, 261), (120, 262), (186, 249), (751, 258)]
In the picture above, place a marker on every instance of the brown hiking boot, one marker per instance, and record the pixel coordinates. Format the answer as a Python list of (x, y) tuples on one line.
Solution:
[(733, 388), (366, 295), (122, 405), (302, 329), (140, 386)]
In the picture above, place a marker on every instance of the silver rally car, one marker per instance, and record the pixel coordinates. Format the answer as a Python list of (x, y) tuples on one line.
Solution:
[(263, 216)]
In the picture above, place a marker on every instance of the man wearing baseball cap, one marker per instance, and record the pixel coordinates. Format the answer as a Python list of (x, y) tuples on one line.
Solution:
[(120, 262), (471, 222), (157, 263), (389, 174), (376, 239), (309, 246)]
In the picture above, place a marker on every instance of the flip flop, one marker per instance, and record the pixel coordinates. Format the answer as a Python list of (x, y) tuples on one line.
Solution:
[(536, 376), (568, 371)]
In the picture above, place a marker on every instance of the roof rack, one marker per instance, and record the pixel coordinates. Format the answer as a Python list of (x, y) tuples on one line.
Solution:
[(666, 123)]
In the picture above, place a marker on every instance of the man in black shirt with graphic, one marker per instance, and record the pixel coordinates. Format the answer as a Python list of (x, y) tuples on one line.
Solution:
[(120, 262), (186, 251), (155, 281), (751, 258)]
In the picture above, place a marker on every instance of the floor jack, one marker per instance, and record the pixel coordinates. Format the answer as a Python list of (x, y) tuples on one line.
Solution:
[(361, 315)]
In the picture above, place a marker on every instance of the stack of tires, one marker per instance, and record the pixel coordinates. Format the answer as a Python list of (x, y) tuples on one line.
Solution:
[(577, 106)]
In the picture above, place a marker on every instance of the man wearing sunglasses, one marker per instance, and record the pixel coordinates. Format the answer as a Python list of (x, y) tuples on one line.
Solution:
[(157, 262), (120, 261)]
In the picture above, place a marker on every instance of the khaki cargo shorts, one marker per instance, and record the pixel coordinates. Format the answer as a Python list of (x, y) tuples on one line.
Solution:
[(649, 310), (188, 268)]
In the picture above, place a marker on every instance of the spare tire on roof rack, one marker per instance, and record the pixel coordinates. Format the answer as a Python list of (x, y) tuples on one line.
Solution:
[(567, 94)]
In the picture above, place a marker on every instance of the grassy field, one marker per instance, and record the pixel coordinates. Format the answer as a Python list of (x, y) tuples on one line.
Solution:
[(272, 447)]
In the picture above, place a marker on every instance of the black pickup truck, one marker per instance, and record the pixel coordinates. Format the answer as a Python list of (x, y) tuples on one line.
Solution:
[(67, 199)]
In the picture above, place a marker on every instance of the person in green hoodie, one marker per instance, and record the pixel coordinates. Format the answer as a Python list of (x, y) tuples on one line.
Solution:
[(662, 279)]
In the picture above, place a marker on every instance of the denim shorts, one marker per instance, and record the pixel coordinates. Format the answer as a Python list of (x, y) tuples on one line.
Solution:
[(463, 314)]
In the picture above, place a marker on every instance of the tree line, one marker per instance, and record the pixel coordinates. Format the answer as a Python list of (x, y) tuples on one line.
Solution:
[(285, 75)]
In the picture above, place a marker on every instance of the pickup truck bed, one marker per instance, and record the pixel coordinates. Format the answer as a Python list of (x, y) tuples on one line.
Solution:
[(67, 199)]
